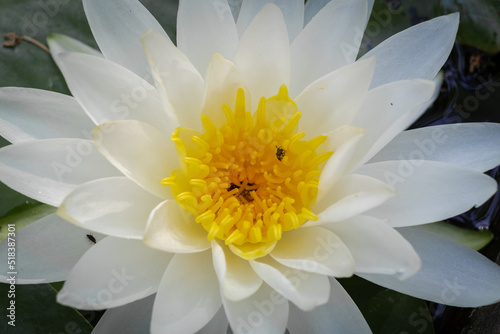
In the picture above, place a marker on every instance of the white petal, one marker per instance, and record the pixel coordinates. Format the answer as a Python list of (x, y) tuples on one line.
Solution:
[(306, 290), (333, 100), (263, 55), (48, 170), (427, 191), (140, 151), (131, 318), (172, 229), (113, 206), (114, 272), (205, 28), (221, 84), (417, 52), (177, 80), (237, 279), (117, 27), (342, 142), (339, 315), (265, 312), (218, 324), (388, 110), (331, 40), (352, 195), (451, 273), (108, 91), (50, 248), (316, 250), (188, 296), (376, 247), (61, 43), (27, 114), (469, 145), (293, 13)]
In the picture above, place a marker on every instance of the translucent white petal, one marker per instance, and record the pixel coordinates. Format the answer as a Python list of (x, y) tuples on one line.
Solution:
[(50, 248), (469, 145), (147, 157), (342, 142), (417, 52), (306, 290), (108, 91), (61, 43), (178, 82), (114, 272), (113, 206), (205, 28), (293, 13), (218, 324), (265, 312), (339, 315), (172, 229), (316, 250), (263, 54), (387, 110), (352, 195), (221, 84), (237, 279), (131, 318), (427, 191), (119, 34), (451, 273), (48, 170), (27, 114), (188, 296), (376, 247), (333, 100), (331, 40)]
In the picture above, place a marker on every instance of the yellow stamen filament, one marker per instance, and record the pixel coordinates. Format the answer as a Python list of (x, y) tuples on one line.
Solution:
[(252, 179)]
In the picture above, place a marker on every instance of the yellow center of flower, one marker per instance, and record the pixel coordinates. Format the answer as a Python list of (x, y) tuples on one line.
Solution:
[(253, 178)]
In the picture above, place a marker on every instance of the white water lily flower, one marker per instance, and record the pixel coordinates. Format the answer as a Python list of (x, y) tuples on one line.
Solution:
[(236, 174)]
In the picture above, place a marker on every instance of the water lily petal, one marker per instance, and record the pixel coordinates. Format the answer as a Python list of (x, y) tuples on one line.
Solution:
[(376, 247), (218, 324), (108, 91), (306, 290), (131, 318), (147, 157), (293, 13), (264, 312), (113, 206), (451, 273), (178, 82), (27, 114), (316, 250), (263, 54), (188, 295), (221, 84), (112, 273), (61, 43), (172, 229), (339, 315), (237, 279), (48, 170), (214, 31), (427, 191), (352, 195), (50, 248), (421, 51), (118, 35), (469, 145), (333, 100), (320, 48)]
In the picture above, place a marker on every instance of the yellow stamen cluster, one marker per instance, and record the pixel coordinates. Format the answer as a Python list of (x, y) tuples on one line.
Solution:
[(253, 178)]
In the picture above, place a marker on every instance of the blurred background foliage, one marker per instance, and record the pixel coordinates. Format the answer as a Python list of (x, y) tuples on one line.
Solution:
[(472, 67)]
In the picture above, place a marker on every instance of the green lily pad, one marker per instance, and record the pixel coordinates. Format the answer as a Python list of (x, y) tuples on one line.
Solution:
[(470, 238)]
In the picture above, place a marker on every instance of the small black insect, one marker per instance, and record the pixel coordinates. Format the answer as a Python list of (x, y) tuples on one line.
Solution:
[(280, 153), (91, 238)]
